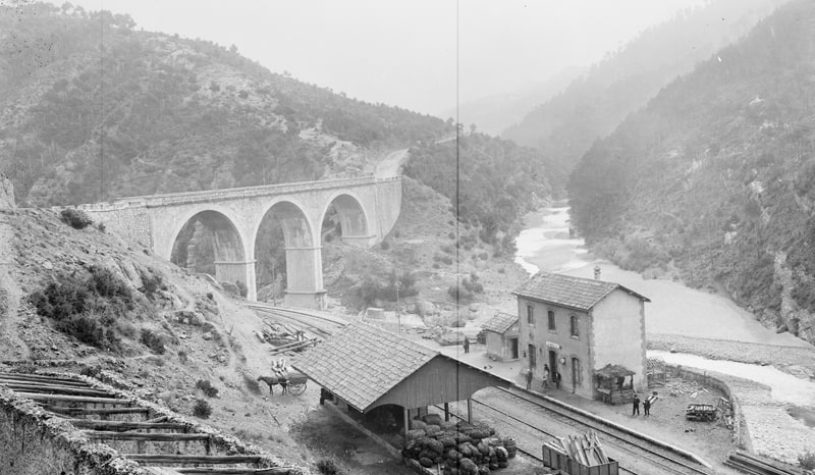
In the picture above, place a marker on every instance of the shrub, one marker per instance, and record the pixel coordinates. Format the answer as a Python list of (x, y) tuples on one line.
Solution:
[(251, 384), (328, 467), (206, 387), (151, 283), (76, 218), (807, 460), (152, 340), (60, 300), (459, 293), (385, 245), (182, 356), (91, 331), (201, 409), (108, 284), (242, 290)]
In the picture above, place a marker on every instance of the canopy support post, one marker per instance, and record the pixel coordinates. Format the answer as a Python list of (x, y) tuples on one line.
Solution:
[(469, 410), (406, 420), (446, 411)]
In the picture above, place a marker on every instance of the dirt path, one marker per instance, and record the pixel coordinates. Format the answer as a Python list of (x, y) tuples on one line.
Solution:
[(11, 346), (392, 164)]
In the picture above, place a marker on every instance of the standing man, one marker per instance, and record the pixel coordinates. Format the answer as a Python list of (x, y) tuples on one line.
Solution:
[(635, 405), (529, 379), (466, 345), (545, 382), (646, 406), (556, 378)]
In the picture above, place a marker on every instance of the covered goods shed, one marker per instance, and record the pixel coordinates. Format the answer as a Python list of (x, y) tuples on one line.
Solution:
[(366, 367)]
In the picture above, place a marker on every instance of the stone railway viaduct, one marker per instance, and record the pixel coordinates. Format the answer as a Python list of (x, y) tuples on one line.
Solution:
[(367, 207)]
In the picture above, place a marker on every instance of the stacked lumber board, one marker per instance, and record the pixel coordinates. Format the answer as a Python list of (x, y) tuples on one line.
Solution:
[(585, 449), (754, 465)]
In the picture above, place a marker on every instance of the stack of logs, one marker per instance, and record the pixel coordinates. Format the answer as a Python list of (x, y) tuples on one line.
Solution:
[(457, 448), (585, 449), (284, 338)]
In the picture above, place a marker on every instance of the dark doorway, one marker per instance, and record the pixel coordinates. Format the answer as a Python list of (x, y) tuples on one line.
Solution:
[(552, 360), (513, 348), (575, 373), (532, 357)]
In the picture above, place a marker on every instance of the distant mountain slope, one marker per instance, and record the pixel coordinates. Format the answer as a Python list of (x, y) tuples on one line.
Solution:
[(717, 175), (92, 109), (493, 114), (592, 106)]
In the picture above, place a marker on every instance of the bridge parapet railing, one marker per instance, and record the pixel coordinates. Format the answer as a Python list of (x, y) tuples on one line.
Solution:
[(235, 193)]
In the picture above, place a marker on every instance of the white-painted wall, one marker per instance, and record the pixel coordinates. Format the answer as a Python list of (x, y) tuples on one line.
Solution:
[(619, 334)]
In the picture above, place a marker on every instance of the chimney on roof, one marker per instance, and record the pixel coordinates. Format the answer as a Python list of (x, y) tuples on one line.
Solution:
[(597, 272)]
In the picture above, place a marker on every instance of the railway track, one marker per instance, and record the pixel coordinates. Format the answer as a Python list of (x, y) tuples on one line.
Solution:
[(528, 432), (658, 454), (321, 326)]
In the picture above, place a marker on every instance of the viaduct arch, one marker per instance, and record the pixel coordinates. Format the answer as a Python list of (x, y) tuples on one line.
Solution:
[(367, 208)]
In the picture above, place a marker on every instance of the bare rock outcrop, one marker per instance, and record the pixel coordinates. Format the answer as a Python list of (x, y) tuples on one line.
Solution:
[(6, 193)]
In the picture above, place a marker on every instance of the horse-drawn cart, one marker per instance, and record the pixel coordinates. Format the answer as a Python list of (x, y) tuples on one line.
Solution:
[(291, 381), (297, 382)]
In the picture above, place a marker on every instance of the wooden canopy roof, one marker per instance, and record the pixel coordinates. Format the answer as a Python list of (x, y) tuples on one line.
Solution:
[(367, 366)]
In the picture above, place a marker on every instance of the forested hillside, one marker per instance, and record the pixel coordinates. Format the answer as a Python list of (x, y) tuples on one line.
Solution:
[(592, 106), (495, 180), (717, 175), (92, 109)]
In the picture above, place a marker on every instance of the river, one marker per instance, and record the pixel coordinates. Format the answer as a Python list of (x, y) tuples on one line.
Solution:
[(545, 244)]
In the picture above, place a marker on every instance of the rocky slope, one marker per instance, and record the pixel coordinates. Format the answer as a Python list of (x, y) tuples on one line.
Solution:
[(565, 126), (715, 176)]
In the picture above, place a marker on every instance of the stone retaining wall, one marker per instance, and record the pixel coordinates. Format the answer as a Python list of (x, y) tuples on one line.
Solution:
[(741, 434), (35, 442), (32, 442)]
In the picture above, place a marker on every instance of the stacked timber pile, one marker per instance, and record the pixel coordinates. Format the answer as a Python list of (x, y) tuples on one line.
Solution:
[(284, 338), (456, 448), (585, 449), (754, 465)]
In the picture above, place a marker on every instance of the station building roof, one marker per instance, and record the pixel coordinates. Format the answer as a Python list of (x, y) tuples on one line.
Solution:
[(500, 322), (367, 366), (571, 292)]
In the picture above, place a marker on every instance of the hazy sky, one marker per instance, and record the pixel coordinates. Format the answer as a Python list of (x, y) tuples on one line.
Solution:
[(403, 52)]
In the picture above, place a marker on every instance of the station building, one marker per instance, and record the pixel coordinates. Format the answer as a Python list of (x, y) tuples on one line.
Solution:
[(579, 326)]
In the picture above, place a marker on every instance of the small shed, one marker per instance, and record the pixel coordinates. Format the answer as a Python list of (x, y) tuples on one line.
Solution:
[(366, 367), (614, 384), (502, 337)]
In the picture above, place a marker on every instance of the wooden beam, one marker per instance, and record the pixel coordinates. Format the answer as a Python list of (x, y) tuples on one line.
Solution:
[(80, 399), (406, 420), (446, 411), (237, 471), (55, 389), (78, 411), (121, 426), (154, 436), (41, 379), (164, 459), (469, 410)]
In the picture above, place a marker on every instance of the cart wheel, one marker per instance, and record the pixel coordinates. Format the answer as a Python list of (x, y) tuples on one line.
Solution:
[(297, 389)]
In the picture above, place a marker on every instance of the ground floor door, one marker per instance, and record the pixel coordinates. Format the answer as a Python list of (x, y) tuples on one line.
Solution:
[(532, 357), (552, 361), (513, 348), (575, 373)]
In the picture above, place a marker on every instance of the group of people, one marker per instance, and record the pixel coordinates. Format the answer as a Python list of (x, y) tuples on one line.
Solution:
[(646, 404), (547, 375)]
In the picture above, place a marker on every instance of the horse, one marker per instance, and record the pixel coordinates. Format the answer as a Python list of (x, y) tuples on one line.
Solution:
[(273, 380)]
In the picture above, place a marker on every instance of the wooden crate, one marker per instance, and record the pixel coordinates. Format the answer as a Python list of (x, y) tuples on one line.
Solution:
[(560, 461)]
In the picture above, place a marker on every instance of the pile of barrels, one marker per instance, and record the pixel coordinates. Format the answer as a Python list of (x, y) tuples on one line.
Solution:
[(458, 448)]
